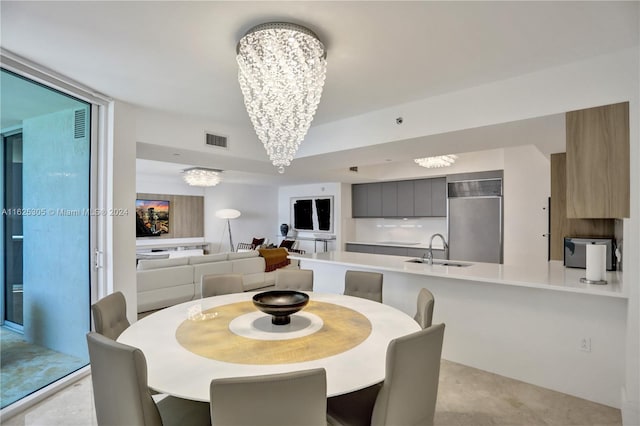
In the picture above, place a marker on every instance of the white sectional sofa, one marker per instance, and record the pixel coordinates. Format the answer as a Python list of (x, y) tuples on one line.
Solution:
[(166, 282)]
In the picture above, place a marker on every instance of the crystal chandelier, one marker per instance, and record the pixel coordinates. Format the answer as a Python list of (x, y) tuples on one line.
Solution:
[(282, 69), (200, 176), (438, 161)]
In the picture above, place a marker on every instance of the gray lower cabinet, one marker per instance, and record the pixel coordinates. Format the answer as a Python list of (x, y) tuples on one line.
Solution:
[(407, 198), (361, 248), (393, 250)]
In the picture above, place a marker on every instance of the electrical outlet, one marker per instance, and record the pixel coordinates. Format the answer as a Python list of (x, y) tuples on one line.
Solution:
[(585, 344)]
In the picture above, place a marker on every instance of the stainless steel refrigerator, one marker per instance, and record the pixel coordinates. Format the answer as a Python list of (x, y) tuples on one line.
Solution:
[(474, 218)]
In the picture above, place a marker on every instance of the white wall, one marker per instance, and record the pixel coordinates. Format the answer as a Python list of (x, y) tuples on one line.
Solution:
[(186, 132), (121, 194), (258, 206), (256, 203), (285, 193), (597, 81), (527, 183), (467, 162), (159, 184)]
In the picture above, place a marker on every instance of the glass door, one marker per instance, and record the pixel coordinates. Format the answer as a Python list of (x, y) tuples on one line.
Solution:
[(46, 218), (13, 230)]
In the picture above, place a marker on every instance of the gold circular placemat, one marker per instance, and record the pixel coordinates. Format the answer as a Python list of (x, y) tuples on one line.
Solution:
[(342, 330)]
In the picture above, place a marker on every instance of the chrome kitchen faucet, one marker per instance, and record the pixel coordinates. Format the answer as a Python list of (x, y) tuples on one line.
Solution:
[(430, 253)]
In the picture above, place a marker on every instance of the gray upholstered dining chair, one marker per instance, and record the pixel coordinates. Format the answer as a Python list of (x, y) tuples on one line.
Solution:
[(294, 279), (216, 285), (110, 315), (367, 285), (121, 395), (409, 391), (285, 399), (424, 314)]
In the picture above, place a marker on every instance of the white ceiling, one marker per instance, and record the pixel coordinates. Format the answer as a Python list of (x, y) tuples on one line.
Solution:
[(179, 56)]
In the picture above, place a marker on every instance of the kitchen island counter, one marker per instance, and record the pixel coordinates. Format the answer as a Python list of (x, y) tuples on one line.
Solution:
[(547, 275), (535, 323)]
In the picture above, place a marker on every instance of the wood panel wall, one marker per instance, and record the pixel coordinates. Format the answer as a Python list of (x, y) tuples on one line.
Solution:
[(186, 214), (561, 226)]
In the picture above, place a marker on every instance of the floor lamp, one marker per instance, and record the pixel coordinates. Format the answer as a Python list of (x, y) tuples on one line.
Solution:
[(228, 214)]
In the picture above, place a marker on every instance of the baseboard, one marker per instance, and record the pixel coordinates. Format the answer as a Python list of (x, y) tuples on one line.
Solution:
[(630, 410)]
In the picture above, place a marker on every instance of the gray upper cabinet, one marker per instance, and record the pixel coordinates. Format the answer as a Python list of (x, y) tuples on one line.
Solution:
[(389, 199), (374, 200), (359, 200), (422, 197), (439, 197), (407, 198)]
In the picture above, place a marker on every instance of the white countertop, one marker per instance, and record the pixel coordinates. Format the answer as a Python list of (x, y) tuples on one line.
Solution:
[(436, 245), (546, 275)]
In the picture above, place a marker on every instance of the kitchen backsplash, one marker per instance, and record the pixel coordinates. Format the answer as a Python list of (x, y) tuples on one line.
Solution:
[(400, 230)]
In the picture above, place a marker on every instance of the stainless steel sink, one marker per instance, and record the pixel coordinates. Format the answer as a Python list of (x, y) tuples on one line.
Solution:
[(440, 262)]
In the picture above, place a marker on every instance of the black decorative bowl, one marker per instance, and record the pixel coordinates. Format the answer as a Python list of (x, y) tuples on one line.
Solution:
[(280, 304)]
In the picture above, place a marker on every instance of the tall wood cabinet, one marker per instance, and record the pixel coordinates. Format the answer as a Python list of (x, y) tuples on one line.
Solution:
[(597, 162), (561, 225)]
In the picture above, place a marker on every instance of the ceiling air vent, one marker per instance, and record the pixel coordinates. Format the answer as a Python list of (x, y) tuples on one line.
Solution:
[(216, 140), (80, 124)]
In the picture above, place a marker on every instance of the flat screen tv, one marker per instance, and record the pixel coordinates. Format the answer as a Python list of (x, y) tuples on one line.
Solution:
[(152, 218)]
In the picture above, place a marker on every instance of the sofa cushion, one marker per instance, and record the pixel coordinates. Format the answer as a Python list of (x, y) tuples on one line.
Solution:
[(248, 266), (155, 279), (147, 264), (211, 268), (243, 255), (208, 258), (161, 298)]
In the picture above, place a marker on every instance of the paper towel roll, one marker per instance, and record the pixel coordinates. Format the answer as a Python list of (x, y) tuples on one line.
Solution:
[(596, 262)]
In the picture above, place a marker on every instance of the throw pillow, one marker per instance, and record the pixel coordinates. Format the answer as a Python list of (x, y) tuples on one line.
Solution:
[(257, 242), (288, 244)]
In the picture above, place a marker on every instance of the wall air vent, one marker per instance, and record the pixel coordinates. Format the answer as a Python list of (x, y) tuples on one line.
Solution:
[(353, 169), (80, 124), (216, 140)]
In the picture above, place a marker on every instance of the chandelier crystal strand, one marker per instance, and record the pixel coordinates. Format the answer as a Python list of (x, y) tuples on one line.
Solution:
[(436, 162), (282, 69), (199, 176)]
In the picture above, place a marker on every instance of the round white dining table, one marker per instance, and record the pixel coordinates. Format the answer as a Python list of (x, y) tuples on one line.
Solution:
[(188, 345)]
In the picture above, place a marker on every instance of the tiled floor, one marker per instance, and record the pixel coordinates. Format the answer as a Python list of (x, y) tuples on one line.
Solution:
[(467, 396), (25, 367)]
